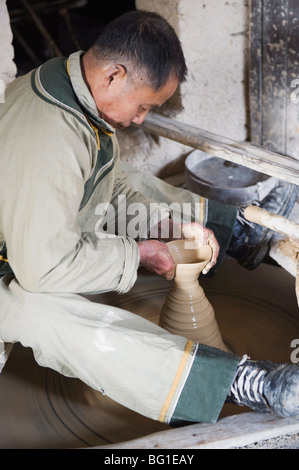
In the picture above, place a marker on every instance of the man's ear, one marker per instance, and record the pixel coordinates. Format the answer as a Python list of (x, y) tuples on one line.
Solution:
[(115, 72)]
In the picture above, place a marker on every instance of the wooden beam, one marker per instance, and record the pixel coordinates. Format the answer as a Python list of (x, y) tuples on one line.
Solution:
[(230, 432), (242, 153)]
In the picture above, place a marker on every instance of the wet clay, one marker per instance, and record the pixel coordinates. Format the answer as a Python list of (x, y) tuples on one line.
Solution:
[(187, 311), (257, 313)]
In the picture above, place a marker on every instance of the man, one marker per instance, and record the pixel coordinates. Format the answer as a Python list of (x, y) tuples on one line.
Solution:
[(61, 175)]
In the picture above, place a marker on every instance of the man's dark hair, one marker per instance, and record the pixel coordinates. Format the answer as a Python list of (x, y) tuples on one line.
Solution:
[(145, 41)]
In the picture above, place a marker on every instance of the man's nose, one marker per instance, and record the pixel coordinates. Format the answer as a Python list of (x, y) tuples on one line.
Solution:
[(139, 118)]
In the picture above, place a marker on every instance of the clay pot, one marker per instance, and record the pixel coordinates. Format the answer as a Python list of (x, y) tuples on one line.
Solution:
[(187, 311)]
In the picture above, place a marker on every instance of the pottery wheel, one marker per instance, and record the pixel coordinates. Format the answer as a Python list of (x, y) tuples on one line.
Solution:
[(257, 314)]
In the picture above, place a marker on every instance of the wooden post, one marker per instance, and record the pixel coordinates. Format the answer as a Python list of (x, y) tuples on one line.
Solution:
[(274, 75)]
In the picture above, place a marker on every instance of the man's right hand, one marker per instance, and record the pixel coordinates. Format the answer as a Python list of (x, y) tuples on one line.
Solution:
[(155, 257)]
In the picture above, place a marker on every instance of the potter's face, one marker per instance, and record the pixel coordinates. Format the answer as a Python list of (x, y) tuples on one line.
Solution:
[(124, 101)]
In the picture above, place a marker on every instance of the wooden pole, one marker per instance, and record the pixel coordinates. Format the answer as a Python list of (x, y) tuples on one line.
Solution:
[(242, 153), (50, 42)]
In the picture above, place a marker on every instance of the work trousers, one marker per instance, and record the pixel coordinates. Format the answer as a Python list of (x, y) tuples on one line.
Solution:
[(133, 361)]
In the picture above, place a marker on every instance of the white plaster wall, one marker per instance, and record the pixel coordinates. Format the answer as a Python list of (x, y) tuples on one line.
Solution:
[(167, 8), (214, 37), (7, 66)]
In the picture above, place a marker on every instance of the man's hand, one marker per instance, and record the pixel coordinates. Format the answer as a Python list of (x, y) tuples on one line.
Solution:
[(155, 257), (206, 237)]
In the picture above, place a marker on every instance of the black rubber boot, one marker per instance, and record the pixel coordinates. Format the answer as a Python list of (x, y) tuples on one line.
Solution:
[(266, 387), (250, 242)]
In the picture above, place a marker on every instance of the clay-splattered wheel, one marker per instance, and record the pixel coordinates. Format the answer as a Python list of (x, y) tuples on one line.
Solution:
[(257, 314)]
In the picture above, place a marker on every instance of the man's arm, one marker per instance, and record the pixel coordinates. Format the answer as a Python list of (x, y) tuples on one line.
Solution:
[(46, 249)]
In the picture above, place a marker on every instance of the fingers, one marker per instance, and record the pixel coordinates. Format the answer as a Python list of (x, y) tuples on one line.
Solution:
[(155, 257), (211, 240), (205, 237), (194, 231)]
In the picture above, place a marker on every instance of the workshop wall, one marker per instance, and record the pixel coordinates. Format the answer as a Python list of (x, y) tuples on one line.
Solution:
[(215, 39), (214, 36)]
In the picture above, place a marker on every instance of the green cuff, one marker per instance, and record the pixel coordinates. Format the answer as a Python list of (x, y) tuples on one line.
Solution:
[(206, 387), (221, 219)]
